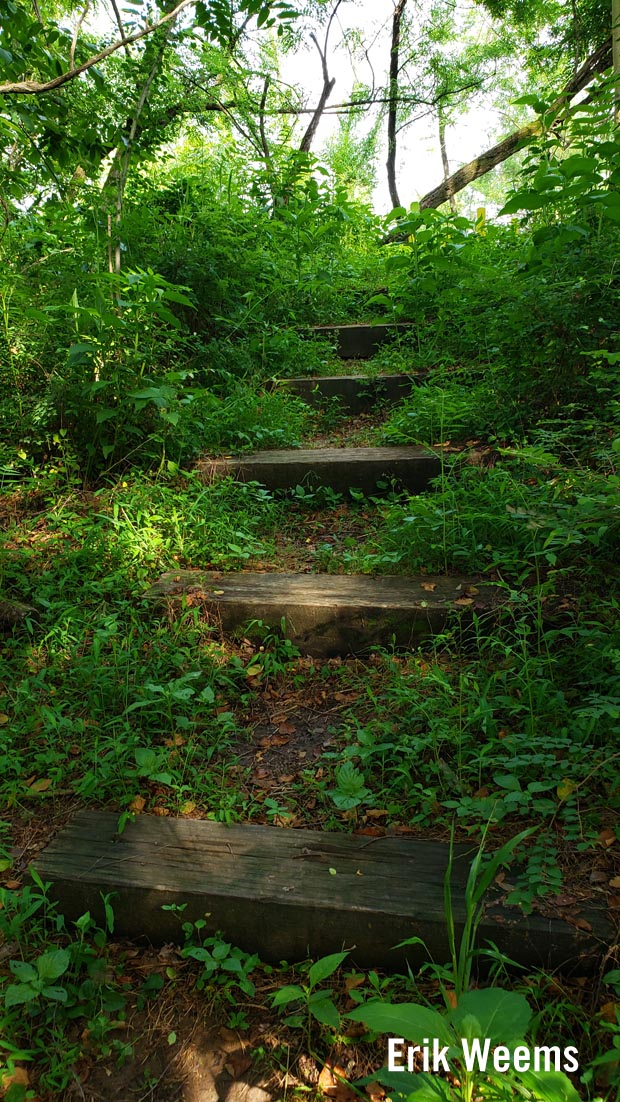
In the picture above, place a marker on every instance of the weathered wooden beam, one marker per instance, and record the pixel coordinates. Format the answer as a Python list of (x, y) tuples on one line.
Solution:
[(342, 469), (287, 894), (361, 342), (356, 393), (331, 614), (13, 613)]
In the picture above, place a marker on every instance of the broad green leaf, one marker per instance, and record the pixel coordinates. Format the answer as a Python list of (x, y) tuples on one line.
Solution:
[(324, 967), (408, 1020), (19, 994), (53, 964), (23, 970), (549, 1086), (287, 995), (502, 1016), (414, 1088), (56, 994), (146, 759), (325, 1012)]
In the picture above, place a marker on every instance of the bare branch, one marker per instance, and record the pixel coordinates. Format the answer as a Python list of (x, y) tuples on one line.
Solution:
[(328, 85), (261, 123)]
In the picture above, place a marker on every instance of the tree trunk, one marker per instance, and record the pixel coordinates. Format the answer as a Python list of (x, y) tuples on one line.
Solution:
[(615, 49), (444, 155), (393, 102)]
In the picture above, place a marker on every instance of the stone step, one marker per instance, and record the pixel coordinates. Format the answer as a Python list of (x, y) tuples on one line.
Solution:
[(361, 342), (342, 469), (331, 614), (356, 393), (288, 894)]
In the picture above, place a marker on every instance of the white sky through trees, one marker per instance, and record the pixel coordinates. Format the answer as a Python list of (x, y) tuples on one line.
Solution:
[(419, 161)]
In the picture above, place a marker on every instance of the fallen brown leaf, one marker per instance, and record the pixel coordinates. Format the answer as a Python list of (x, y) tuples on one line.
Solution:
[(40, 786), (607, 837), (330, 1083), (287, 729), (16, 1078), (273, 740), (375, 1092)]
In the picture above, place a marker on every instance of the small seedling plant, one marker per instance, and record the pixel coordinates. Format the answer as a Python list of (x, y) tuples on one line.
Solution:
[(307, 1001)]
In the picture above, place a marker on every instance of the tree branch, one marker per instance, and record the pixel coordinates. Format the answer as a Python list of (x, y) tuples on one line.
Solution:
[(596, 63), (35, 87), (328, 85)]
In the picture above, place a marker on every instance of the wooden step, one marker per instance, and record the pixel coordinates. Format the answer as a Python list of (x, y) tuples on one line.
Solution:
[(288, 894), (342, 469), (361, 342), (355, 393), (331, 614)]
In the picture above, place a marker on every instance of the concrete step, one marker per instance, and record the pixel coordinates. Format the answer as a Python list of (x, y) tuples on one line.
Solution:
[(342, 469), (331, 614), (361, 342), (286, 894), (356, 393)]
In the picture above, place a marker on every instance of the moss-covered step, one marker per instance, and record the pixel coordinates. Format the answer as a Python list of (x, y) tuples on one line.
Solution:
[(355, 393), (331, 614), (289, 894), (342, 469), (361, 342)]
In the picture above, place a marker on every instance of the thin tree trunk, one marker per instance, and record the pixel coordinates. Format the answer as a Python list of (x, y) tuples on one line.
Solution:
[(122, 158), (615, 49), (393, 101), (444, 156)]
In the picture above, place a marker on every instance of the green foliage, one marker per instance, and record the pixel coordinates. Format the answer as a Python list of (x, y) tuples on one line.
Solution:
[(310, 1001), (222, 965), (501, 1017), (456, 407), (65, 979)]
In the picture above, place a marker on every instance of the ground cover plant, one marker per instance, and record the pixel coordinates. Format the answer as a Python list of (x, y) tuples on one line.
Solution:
[(146, 310)]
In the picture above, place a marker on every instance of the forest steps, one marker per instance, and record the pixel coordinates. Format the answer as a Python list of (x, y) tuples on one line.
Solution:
[(342, 469), (327, 615), (361, 342), (289, 894), (354, 393)]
